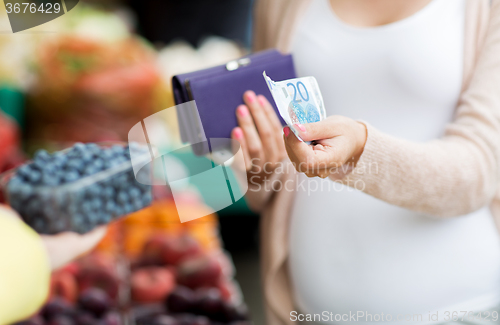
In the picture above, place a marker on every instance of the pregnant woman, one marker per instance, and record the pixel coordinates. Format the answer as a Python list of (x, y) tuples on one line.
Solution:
[(406, 234)]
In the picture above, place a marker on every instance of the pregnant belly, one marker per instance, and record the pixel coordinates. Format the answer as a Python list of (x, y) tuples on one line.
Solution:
[(350, 252)]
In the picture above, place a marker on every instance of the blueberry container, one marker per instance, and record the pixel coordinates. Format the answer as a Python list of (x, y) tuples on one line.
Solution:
[(79, 188)]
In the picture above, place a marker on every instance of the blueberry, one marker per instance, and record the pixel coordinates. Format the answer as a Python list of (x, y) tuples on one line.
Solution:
[(86, 157), (39, 225), (128, 208), (104, 217), (98, 164), (134, 145), (86, 208), (25, 191), (137, 205), (79, 147), (110, 206), (34, 176), (74, 164), (93, 217), (121, 180), (71, 176), (147, 198), (49, 180), (119, 211), (89, 170), (91, 147), (123, 197), (59, 159), (134, 192), (93, 190), (42, 156), (24, 171), (117, 150), (96, 203), (108, 192), (107, 154), (15, 181)]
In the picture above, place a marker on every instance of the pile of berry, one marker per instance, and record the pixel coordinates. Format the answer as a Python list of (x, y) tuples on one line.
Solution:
[(77, 189)]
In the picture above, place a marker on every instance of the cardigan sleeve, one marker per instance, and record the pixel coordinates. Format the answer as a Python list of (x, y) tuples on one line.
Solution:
[(24, 270), (453, 175)]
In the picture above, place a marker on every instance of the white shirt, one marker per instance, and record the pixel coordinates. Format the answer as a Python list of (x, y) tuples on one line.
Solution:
[(350, 252)]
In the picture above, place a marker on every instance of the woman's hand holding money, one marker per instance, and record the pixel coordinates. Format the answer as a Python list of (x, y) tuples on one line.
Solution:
[(260, 136), (337, 145)]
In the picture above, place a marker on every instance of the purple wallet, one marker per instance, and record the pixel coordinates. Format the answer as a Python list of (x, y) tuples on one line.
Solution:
[(218, 91)]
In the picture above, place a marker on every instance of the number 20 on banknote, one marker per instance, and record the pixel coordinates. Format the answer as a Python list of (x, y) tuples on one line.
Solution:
[(299, 100)]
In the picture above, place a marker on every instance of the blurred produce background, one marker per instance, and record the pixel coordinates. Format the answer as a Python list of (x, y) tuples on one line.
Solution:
[(92, 74)]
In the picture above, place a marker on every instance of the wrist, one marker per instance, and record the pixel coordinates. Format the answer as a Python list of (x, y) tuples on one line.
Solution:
[(361, 137)]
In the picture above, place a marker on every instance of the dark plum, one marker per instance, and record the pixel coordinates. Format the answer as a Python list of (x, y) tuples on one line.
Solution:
[(181, 300), (55, 307), (111, 318), (164, 320), (95, 300), (85, 318), (235, 313), (201, 320), (61, 320), (186, 319), (210, 303)]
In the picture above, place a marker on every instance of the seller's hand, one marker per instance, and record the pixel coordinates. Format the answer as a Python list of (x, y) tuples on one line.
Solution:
[(64, 247), (67, 246), (260, 136), (337, 142)]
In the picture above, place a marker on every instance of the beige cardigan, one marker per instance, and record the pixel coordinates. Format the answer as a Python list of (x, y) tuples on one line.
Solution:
[(447, 177)]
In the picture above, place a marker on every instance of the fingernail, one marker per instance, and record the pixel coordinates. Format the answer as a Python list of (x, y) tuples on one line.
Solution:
[(243, 111), (301, 127), (286, 131), (262, 101), (238, 134), (250, 97)]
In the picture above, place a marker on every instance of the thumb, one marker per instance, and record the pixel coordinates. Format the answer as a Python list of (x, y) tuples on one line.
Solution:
[(297, 150), (316, 131)]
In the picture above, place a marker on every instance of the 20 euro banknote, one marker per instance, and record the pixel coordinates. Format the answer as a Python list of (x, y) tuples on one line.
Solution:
[(299, 100)]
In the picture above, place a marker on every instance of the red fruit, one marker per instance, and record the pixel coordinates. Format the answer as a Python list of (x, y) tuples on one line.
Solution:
[(227, 289), (63, 284), (99, 279), (72, 268), (152, 284), (200, 271), (152, 253), (170, 250), (98, 271)]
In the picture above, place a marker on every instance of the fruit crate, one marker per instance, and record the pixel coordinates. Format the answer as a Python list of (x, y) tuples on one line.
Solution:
[(179, 272)]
